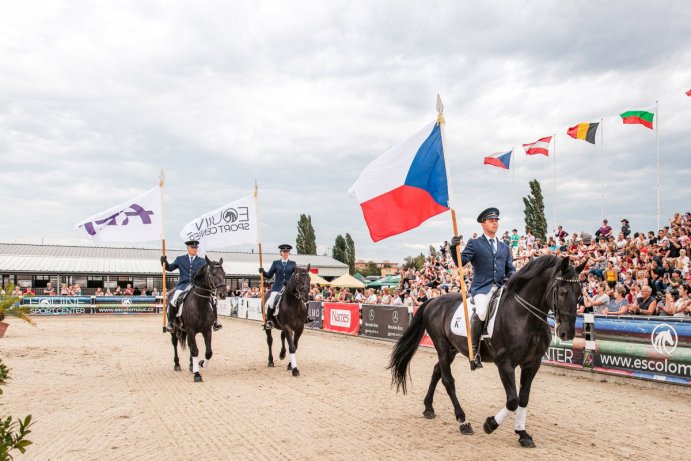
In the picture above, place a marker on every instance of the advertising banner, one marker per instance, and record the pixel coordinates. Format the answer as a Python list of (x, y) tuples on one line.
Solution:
[(565, 353), (342, 317), (254, 309), (57, 309), (315, 310), (386, 322), (67, 301), (223, 307), (242, 308), (125, 305)]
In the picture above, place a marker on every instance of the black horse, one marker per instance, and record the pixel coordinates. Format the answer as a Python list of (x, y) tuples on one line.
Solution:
[(198, 316), (292, 314), (520, 338)]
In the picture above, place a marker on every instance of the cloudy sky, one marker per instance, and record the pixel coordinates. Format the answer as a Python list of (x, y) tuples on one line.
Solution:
[(97, 97)]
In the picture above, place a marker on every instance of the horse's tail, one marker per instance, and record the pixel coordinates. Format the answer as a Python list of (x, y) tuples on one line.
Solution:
[(405, 349), (182, 338)]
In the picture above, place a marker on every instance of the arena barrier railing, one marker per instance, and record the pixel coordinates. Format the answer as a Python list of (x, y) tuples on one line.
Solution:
[(79, 305)]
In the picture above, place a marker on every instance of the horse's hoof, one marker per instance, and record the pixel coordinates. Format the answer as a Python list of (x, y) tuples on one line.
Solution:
[(296, 372), (282, 355), (525, 440), (289, 367), (177, 368), (490, 425), (197, 378), (429, 414), (271, 364), (466, 428)]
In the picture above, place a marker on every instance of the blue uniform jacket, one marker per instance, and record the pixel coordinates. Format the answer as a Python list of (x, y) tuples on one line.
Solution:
[(187, 270), (282, 274), (488, 269)]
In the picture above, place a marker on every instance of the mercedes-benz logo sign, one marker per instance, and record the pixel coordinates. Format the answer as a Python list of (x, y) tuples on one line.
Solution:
[(230, 215), (371, 314), (126, 302), (664, 339), (394, 317)]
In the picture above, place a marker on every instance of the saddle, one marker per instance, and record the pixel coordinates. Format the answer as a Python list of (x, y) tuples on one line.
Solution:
[(491, 310)]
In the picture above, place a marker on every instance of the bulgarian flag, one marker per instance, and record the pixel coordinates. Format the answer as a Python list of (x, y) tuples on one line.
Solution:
[(404, 186), (638, 117)]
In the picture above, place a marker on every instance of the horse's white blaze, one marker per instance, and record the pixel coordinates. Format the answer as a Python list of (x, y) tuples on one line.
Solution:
[(519, 421), (195, 364), (502, 415), (293, 361)]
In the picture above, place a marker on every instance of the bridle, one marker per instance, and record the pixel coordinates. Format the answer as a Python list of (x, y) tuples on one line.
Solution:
[(211, 292), (536, 312), (297, 292)]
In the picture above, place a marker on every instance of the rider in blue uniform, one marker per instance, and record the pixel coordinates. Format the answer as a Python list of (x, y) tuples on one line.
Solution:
[(492, 264), (283, 269), (188, 265)]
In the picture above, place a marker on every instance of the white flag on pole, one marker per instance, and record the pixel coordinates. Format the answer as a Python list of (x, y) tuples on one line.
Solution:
[(233, 224), (136, 220)]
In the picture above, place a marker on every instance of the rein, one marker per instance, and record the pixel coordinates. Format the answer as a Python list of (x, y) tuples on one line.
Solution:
[(211, 291), (536, 312)]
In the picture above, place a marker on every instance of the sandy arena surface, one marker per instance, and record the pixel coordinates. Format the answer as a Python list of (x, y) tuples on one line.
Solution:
[(104, 388)]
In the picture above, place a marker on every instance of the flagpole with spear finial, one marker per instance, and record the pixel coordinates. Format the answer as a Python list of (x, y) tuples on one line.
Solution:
[(442, 123), (161, 183), (259, 244)]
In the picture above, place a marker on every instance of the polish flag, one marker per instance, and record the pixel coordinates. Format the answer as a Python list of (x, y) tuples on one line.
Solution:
[(404, 186), (541, 146)]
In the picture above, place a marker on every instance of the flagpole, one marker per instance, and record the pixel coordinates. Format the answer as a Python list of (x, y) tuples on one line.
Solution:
[(442, 123), (513, 169), (161, 183), (657, 160), (554, 161), (259, 244), (602, 167)]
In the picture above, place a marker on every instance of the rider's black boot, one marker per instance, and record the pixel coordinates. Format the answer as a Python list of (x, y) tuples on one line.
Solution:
[(171, 316), (475, 335), (269, 319), (216, 326)]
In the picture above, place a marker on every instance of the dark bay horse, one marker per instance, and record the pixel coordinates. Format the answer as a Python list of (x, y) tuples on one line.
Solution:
[(292, 313), (520, 338), (198, 316)]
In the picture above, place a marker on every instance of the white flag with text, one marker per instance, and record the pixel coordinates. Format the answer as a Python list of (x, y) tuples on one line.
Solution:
[(136, 220), (232, 224)]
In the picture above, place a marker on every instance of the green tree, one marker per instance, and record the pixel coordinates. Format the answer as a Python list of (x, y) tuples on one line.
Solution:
[(371, 269), (339, 249), (414, 262), (534, 212), (306, 241), (350, 253), (433, 251), (12, 306)]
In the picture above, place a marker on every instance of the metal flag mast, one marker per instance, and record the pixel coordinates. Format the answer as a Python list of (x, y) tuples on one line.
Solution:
[(554, 165), (657, 159), (259, 244), (442, 123), (164, 301)]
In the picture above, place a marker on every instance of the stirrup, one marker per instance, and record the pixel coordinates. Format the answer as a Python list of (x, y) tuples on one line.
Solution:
[(269, 325), (476, 363), (216, 326), (169, 327)]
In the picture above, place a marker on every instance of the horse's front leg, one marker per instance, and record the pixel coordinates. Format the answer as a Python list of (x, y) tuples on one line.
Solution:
[(293, 365), (282, 354), (507, 373), (269, 342), (176, 358), (429, 398), (446, 357), (194, 354), (207, 349), (527, 375)]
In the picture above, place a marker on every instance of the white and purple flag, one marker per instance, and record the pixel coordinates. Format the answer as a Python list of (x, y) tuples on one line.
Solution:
[(136, 220)]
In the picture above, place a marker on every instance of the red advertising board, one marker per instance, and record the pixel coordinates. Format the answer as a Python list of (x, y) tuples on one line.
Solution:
[(342, 317)]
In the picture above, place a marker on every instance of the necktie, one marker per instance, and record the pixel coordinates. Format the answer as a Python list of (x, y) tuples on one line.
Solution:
[(191, 260), (491, 245)]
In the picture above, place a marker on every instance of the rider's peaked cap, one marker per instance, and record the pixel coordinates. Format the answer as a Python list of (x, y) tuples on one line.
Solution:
[(489, 213), (192, 243), (285, 247)]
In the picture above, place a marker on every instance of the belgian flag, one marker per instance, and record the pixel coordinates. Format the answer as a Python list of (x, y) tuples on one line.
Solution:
[(585, 131)]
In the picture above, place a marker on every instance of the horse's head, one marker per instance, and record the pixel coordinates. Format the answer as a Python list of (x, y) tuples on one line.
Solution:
[(565, 293), (215, 277), (300, 281)]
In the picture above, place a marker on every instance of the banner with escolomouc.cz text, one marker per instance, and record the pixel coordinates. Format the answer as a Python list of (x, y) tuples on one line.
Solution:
[(342, 317)]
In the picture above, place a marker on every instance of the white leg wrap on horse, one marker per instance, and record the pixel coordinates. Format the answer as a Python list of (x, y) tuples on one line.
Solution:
[(502, 415), (519, 421), (195, 364), (293, 361)]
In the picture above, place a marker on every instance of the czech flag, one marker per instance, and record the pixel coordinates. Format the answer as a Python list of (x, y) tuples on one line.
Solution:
[(500, 159), (404, 186)]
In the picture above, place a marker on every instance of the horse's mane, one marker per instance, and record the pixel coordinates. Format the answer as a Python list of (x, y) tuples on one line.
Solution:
[(290, 284), (533, 269), (198, 277)]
